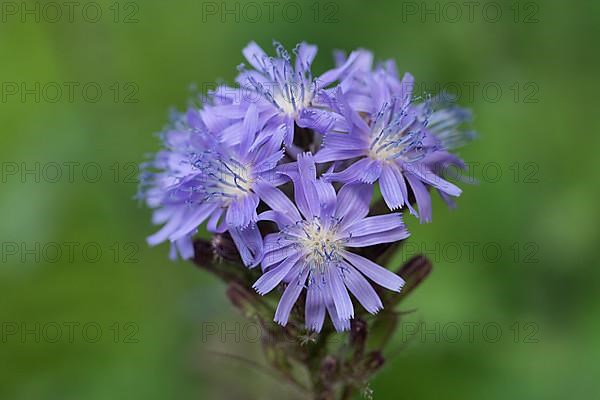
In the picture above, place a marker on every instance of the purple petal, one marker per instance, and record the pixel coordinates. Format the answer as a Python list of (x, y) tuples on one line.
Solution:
[(318, 120), (339, 324), (393, 187), (277, 255), (327, 154), (278, 201), (353, 201), (250, 125), (376, 273), (268, 163), (345, 141), (193, 220), (314, 312), (362, 289), (255, 55), (427, 176), (327, 198), (372, 171), (334, 74), (213, 224), (167, 229), (290, 295), (288, 136), (421, 196), (375, 224), (249, 244), (270, 279), (305, 192), (351, 115), (305, 54), (339, 294), (242, 211), (184, 247), (406, 89), (379, 237), (351, 174)]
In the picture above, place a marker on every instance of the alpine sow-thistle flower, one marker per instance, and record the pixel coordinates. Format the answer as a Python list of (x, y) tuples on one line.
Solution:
[(234, 163), (395, 140), (312, 250), (284, 91), (201, 178)]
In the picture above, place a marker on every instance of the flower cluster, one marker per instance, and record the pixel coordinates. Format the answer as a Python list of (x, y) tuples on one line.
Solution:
[(287, 164)]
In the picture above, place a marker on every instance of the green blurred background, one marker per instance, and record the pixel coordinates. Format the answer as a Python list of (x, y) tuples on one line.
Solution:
[(517, 254)]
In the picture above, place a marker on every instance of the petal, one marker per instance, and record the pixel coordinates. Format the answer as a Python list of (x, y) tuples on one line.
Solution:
[(242, 211), (305, 54), (167, 229), (255, 55), (376, 273), (393, 187), (327, 154), (353, 201), (345, 141), (362, 289), (327, 198), (351, 174), (334, 74), (193, 220), (314, 312), (268, 163), (379, 237), (213, 224), (319, 120), (278, 201), (270, 279), (250, 127), (185, 247), (339, 293), (339, 324), (249, 244), (421, 196), (406, 88), (372, 172), (375, 224), (305, 192), (290, 295), (278, 254), (426, 175)]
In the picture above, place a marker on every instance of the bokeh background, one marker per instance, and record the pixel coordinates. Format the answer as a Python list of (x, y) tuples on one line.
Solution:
[(511, 309)]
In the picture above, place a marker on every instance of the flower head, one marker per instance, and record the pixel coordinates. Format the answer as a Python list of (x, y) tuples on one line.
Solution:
[(312, 249), (199, 178), (394, 139), (284, 91)]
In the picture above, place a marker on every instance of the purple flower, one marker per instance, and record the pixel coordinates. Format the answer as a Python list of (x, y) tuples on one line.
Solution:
[(284, 92), (312, 250), (198, 178), (392, 139)]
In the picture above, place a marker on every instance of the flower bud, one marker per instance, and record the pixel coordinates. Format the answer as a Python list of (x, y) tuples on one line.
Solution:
[(224, 247), (328, 368), (358, 335), (242, 299), (374, 361), (414, 271)]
